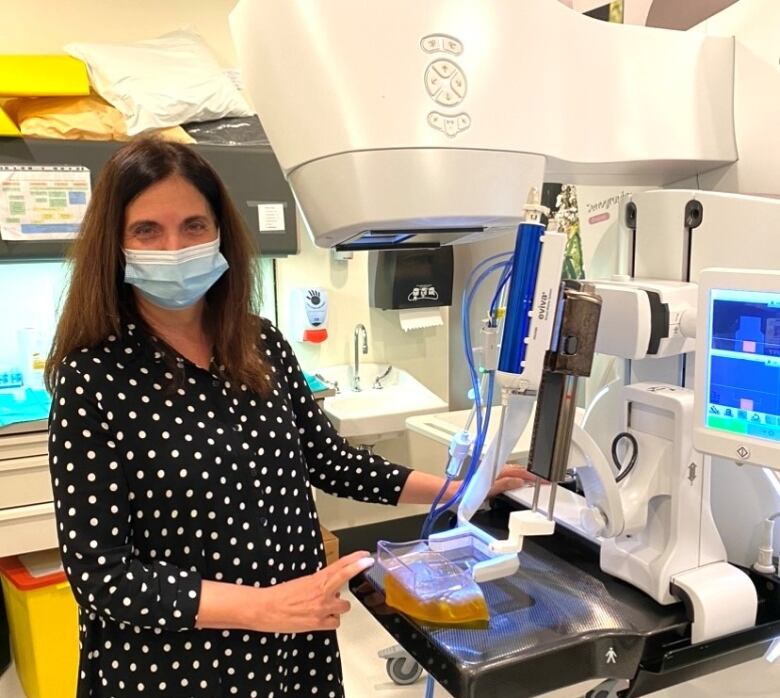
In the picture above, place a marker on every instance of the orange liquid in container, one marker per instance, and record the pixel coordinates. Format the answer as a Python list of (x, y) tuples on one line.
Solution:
[(441, 600)]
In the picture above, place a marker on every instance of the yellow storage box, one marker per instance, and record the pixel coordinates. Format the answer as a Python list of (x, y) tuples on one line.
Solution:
[(7, 127), (43, 621), (42, 76)]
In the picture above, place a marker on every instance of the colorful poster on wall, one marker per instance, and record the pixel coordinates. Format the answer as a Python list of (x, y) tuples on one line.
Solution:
[(566, 213), (606, 243), (598, 246), (42, 202), (666, 14), (598, 9)]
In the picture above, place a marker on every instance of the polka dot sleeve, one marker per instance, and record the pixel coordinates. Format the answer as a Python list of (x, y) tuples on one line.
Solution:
[(334, 465), (93, 510)]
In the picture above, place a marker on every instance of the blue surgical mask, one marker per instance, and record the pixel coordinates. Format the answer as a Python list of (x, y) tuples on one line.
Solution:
[(176, 278)]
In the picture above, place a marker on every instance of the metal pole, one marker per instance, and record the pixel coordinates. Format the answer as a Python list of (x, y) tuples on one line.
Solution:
[(537, 487), (551, 502)]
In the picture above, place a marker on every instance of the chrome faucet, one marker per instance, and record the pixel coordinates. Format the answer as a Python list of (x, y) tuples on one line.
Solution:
[(359, 329)]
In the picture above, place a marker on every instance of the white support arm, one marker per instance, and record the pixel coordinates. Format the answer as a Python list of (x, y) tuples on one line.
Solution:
[(515, 415), (604, 514)]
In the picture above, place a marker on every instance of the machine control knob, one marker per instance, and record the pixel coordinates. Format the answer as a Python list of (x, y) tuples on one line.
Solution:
[(593, 521)]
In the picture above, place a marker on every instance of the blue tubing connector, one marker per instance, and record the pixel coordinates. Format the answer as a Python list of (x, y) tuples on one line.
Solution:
[(522, 285)]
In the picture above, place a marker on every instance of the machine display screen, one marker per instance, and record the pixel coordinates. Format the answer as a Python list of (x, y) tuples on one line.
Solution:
[(743, 379), (381, 238)]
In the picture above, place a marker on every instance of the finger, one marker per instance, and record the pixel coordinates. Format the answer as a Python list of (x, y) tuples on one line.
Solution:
[(336, 608), (342, 563), (340, 577), (513, 483), (516, 471), (526, 479), (509, 483), (347, 560)]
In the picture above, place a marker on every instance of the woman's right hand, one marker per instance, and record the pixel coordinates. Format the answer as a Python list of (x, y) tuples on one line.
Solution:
[(309, 603)]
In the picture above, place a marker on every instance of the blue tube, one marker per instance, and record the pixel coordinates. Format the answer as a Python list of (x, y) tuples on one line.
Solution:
[(430, 520), (525, 267), (482, 425), (476, 455), (468, 296), (436, 511), (497, 295)]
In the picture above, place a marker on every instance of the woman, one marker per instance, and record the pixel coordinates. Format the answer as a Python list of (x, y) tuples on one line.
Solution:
[(183, 443)]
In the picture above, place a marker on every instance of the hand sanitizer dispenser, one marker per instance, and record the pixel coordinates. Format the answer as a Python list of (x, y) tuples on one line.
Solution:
[(309, 315)]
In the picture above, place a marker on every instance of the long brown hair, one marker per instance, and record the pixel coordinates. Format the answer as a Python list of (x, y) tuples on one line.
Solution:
[(98, 300)]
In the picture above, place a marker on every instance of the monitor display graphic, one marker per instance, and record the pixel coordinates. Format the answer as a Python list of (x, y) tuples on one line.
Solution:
[(743, 364)]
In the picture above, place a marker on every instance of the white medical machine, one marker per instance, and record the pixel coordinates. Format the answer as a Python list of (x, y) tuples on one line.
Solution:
[(424, 124)]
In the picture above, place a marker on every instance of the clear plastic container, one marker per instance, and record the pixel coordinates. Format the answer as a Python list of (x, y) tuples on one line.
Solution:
[(428, 585)]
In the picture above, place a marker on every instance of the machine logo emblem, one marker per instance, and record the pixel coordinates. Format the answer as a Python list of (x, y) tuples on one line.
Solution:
[(450, 125), (544, 304), (692, 473), (743, 452), (423, 292), (445, 83), (434, 43)]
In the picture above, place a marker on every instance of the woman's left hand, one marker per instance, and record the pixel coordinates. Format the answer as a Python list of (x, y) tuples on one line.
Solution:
[(511, 478)]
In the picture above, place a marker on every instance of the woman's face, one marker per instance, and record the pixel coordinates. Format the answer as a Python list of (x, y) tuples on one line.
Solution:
[(169, 215)]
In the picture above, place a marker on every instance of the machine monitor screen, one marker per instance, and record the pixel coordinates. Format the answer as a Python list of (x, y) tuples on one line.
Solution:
[(743, 362)]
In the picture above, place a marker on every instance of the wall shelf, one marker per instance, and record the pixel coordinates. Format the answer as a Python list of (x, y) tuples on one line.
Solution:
[(251, 174)]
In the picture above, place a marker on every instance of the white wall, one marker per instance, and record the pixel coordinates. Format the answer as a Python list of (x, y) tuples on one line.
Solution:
[(466, 258), (45, 26), (347, 284), (423, 353)]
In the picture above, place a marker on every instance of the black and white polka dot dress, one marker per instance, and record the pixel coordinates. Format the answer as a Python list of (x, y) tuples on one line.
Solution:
[(166, 476)]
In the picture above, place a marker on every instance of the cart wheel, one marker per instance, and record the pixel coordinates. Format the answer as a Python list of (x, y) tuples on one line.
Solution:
[(611, 688), (403, 671)]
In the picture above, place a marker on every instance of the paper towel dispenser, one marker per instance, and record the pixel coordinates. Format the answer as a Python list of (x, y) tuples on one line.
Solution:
[(405, 279)]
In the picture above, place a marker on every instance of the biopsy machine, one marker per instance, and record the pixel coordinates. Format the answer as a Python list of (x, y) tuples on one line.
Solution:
[(415, 124)]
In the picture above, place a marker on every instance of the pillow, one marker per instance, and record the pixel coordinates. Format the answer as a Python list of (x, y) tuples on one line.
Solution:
[(77, 118), (161, 82)]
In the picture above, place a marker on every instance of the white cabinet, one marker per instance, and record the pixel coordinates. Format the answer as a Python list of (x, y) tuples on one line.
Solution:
[(26, 507), (28, 528), (24, 481)]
